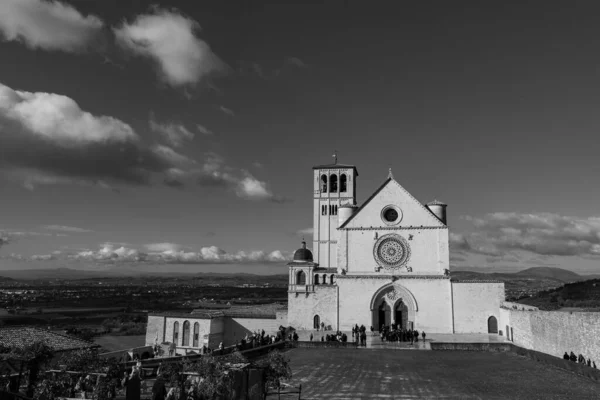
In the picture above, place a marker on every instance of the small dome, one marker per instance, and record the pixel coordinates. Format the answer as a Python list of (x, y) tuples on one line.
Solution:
[(303, 254), (436, 203)]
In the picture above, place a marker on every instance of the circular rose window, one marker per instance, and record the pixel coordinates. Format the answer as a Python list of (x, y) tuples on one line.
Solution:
[(391, 215), (391, 251)]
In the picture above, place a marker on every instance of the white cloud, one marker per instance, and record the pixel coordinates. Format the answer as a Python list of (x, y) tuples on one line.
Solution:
[(171, 156), (59, 119), (204, 130), (499, 234), (305, 232), (173, 133), (163, 247), (227, 111), (47, 25), (63, 228), (169, 38)]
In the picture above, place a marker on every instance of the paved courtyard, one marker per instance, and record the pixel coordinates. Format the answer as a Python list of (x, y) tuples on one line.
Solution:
[(337, 374)]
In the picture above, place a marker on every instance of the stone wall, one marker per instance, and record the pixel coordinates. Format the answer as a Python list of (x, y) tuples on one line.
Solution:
[(302, 307), (554, 332), (237, 328), (155, 327), (474, 303)]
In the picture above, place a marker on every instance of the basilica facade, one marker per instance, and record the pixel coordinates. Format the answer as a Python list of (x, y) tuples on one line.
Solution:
[(381, 263)]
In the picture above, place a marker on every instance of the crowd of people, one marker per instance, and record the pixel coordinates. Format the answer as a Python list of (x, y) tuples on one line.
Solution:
[(579, 359), (395, 333)]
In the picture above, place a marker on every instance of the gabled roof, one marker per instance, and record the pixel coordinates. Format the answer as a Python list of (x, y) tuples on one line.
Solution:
[(383, 185), (22, 336), (336, 166), (375, 193)]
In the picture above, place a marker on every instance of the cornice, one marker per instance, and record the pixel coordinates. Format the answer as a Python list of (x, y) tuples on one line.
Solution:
[(476, 281), (392, 277), (392, 228)]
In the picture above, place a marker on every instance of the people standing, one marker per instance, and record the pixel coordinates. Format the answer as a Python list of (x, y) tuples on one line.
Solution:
[(132, 384), (159, 389)]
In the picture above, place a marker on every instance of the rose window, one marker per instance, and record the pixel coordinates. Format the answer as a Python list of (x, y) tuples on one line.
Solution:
[(391, 251)]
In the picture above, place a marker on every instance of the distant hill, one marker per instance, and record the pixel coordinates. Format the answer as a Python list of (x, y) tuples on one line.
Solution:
[(5, 279), (552, 273), (576, 295)]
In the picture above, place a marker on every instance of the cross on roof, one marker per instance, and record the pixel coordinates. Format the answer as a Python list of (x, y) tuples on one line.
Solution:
[(334, 156)]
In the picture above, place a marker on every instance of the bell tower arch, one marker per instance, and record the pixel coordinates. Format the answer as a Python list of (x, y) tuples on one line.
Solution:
[(334, 186)]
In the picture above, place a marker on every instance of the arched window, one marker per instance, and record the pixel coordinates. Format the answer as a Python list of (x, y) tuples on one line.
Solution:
[(185, 340), (324, 183), (196, 334), (324, 279), (316, 322), (300, 278), (343, 183), (175, 332), (316, 279), (333, 183), (331, 279), (492, 325)]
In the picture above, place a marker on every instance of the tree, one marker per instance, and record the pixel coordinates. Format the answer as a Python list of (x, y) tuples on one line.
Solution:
[(38, 355), (276, 369)]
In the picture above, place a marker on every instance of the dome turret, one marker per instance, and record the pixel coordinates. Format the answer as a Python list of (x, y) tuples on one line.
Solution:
[(303, 254)]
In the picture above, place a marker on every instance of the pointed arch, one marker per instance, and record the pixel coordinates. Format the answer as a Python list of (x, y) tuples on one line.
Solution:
[(343, 183), (316, 322), (402, 293), (492, 324)]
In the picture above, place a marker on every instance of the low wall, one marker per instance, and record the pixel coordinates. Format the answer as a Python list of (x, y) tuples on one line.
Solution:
[(319, 344), (472, 346), (554, 332)]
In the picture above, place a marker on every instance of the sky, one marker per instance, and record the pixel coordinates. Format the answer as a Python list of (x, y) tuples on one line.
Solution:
[(181, 134)]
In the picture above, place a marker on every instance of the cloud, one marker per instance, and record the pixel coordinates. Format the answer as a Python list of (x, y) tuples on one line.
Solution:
[(305, 232), (227, 111), (214, 173), (48, 139), (48, 25), (63, 228), (204, 130), (547, 234), (174, 134), (295, 61), (170, 39), (172, 253)]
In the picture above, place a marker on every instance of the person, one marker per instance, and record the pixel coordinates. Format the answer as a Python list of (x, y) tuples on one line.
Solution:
[(172, 348), (573, 357), (589, 362), (416, 335), (372, 331), (322, 339), (323, 326), (566, 356), (311, 336), (132, 384), (221, 346), (159, 390), (423, 335), (594, 364)]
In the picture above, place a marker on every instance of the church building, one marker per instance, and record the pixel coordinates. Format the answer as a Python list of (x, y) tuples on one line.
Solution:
[(381, 263)]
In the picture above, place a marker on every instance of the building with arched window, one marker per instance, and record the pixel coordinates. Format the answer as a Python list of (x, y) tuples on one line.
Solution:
[(381, 263)]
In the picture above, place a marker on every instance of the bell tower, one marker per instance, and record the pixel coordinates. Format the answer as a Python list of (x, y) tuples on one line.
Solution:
[(334, 186)]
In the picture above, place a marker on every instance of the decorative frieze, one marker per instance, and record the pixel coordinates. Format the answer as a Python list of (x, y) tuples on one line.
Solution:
[(392, 228), (393, 277)]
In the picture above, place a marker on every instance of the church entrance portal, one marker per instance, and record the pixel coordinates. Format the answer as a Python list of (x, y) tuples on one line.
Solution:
[(393, 304)]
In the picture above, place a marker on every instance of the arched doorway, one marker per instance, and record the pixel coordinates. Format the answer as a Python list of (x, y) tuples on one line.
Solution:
[(394, 304), (316, 322), (384, 315), (492, 325), (401, 314)]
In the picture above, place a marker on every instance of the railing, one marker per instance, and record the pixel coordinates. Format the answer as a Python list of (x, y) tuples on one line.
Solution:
[(301, 288)]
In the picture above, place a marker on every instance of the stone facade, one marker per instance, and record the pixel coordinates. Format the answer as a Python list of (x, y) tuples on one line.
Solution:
[(392, 266)]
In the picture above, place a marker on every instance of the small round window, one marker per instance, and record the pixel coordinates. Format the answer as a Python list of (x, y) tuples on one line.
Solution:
[(391, 215)]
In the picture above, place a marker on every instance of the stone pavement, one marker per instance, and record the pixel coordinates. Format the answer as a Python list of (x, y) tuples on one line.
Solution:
[(375, 342)]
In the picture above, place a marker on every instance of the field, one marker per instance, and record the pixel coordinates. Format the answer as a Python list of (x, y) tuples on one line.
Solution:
[(112, 343), (337, 374)]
